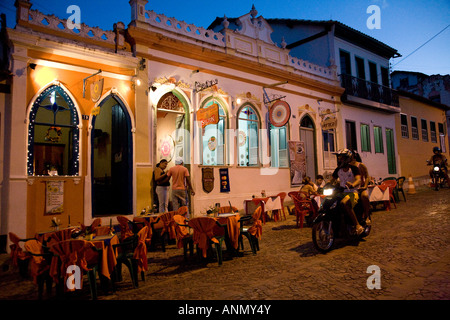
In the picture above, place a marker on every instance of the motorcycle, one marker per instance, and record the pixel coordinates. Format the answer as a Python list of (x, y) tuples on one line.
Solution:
[(332, 221), (438, 174)]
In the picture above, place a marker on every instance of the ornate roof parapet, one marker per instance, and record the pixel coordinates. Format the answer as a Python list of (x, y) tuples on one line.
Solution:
[(182, 28), (53, 25)]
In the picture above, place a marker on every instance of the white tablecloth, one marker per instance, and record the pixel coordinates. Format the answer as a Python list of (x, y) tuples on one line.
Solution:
[(376, 194), (273, 204)]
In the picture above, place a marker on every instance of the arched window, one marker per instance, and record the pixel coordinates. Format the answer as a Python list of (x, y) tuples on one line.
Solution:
[(248, 129), (213, 138), (53, 134)]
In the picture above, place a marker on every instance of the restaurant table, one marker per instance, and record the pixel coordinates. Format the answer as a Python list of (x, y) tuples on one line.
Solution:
[(231, 231), (379, 193), (274, 204), (267, 204), (57, 235)]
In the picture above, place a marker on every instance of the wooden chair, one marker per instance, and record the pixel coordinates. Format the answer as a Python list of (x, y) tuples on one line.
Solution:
[(303, 206)]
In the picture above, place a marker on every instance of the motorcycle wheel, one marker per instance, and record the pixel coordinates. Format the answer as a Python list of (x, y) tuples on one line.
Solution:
[(323, 236), (436, 184)]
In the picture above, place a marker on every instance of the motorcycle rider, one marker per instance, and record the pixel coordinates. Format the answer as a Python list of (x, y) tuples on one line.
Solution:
[(349, 178), (365, 179), (438, 158)]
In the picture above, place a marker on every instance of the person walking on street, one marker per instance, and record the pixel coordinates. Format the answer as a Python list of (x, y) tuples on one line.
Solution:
[(180, 181)]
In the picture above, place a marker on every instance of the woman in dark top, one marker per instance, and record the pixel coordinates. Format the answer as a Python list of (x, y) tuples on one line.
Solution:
[(162, 185)]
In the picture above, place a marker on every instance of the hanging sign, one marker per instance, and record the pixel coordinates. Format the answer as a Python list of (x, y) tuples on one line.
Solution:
[(279, 113), (224, 180), (208, 115), (329, 123), (54, 198), (96, 90)]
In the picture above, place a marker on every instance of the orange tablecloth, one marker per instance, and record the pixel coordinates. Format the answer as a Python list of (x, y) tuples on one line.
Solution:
[(109, 254), (56, 235)]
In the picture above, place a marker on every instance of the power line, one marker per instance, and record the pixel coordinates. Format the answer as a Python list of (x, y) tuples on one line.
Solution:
[(422, 45)]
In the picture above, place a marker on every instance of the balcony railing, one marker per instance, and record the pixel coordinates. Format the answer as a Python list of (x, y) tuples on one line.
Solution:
[(369, 90)]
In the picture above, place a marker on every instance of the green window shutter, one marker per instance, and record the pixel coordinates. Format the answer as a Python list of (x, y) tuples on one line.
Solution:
[(365, 137), (378, 136)]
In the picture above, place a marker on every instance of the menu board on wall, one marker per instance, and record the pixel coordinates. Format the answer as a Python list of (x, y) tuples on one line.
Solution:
[(297, 162), (54, 197)]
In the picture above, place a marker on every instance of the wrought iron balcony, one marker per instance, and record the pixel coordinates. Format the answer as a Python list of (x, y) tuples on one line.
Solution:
[(369, 90)]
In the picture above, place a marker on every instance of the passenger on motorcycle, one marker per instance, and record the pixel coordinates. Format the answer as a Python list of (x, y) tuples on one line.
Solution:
[(365, 178), (438, 158), (349, 178)]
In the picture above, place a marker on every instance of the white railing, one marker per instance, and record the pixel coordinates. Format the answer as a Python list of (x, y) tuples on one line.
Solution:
[(183, 28), (309, 67)]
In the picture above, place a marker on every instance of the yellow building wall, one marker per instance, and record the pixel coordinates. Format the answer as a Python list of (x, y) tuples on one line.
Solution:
[(414, 153), (74, 187)]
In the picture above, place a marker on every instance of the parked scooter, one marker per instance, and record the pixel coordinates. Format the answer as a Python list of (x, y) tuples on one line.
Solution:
[(333, 222), (438, 174)]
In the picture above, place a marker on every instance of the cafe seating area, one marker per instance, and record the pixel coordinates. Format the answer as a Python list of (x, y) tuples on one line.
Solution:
[(110, 257), (106, 258)]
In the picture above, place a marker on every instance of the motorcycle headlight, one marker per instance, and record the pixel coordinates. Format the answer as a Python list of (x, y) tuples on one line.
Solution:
[(327, 192), (436, 168)]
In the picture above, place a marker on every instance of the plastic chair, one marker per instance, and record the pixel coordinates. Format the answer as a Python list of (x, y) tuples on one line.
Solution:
[(128, 228), (19, 257), (262, 202), (132, 252), (205, 235), (252, 233), (39, 266), (184, 236), (303, 206), (183, 211), (163, 229), (81, 253), (392, 184), (400, 181), (95, 224)]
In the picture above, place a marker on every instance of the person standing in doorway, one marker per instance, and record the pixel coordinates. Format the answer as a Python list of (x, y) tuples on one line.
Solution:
[(180, 181), (162, 181)]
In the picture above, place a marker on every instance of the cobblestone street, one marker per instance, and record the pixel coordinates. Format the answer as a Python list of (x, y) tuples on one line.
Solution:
[(409, 244)]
